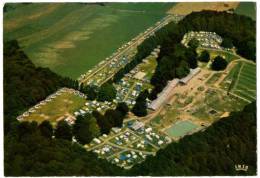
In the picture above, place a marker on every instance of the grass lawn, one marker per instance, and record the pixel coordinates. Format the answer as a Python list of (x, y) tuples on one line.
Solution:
[(181, 128), (214, 53), (222, 102), (58, 107), (247, 9), (71, 38), (231, 77), (217, 100), (148, 67)]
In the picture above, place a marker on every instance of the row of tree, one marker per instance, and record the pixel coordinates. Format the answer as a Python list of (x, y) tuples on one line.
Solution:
[(105, 92), (145, 49), (176, 64)]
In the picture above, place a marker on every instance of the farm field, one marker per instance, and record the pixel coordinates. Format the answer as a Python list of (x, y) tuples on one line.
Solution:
[(242, 81), (72, 38), (56, 108), (185, 8), (247, 9)]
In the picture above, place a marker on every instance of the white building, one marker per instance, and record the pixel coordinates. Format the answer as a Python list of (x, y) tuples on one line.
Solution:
[(164, 95), (192, 73)]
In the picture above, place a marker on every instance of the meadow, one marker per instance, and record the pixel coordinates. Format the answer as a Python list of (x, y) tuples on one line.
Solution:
[(247, 9), (62, 105), (71, 38)]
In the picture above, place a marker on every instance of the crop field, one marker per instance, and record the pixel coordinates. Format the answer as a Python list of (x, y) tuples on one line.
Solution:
[(56, 108), (247, 9), (72, 38), (245, 85)]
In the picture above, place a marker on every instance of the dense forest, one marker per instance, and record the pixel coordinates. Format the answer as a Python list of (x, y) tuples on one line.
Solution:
[(28, 152)]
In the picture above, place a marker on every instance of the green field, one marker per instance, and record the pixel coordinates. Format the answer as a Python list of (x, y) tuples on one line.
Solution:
[(247, 9), (245, 85), (70, 38), (65, 103), (181, 128)]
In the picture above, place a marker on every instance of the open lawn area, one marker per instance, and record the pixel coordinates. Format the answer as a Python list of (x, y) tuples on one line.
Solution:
[(72, 38), (148, 67), (58, 108), (214, 53)]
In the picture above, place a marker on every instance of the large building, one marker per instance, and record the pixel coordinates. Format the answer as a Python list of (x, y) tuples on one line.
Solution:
[(164, 95), (192, 73)]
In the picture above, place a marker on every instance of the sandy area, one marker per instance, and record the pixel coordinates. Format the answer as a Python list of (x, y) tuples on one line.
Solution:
[(185, 8)]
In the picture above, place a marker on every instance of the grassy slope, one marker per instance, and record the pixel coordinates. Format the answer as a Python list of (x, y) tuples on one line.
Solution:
[(65, 103), (247, 8), (72, 38)]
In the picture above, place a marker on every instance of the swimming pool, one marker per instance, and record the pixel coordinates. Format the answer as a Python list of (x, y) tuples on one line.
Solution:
[(181, 128)]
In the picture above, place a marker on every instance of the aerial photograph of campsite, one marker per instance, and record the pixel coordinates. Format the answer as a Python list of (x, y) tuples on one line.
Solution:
[(129, 89)]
